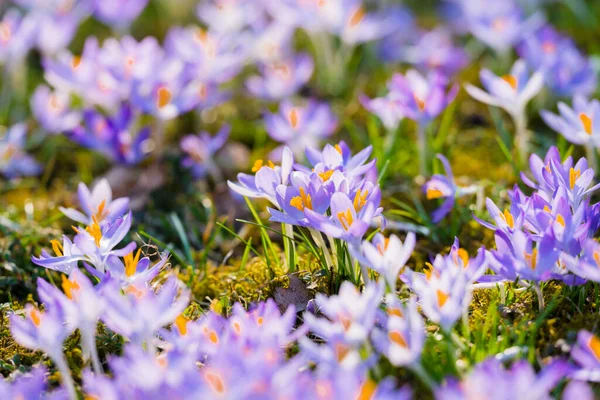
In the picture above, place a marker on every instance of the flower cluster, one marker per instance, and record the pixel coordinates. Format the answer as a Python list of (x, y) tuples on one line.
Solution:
[(547, 235)]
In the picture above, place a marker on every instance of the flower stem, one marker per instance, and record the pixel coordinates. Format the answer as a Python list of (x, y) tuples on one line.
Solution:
[(591, 156), (422, 145), (318, 238), (540, 296), (424, 376), (522, 137), (65, 374)]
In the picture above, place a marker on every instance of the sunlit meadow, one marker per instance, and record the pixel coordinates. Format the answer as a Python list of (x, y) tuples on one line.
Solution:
[(299, 199)]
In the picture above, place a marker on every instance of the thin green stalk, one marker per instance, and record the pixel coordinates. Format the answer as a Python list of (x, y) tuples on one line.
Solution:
[(65, 374), (592, 156), (422, 146), (424, 376)]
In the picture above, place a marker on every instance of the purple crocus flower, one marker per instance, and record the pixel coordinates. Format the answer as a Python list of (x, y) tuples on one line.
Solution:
[(169, 93), (281, 79), (97, 203), (500, 25), (132, 271), (200, 151), (350, 315), (54, 22), (387, 256), (518, 256), (586, 266), (230, 16), (580, 124), (93, 245), (339, 157), (508, 383), (511, 92), (442, 187), (299, 127), (433, 50), (576, 390), (113, 136), (444, 290), (46, 331), (422, 98), (567, 71), (52, 110), (118, 13), (350, 219), (586, 354), (82, 306), (389, 111), (349, 20), (209, 56), (304, 193), (267, 178), (16, 38), (551, 173), (31, 385), (140, 313), (403, 337), (129, 61), (14, 161)]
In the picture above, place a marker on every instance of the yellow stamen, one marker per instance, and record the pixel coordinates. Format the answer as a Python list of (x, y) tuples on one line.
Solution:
[(257, 165), (381, 249), (131, 262), (531, 259), (95, 231), (5, 32), (508, 218), (356, 17), (499, 24), (69, 286), (341, 351), (360, 199), (428, 270), (560, 220), (132, 289), (433, 193), (293, 117), (212, 336), (511, 80), (35, 316), (548, 47), (76, 62), (397, 338), (594, 345), (215, 382), (367, 390), (442, 298), (597, 257), (573, 176), (296, 202), (547, 209), (420, 102), (338, 148), (53, 102), (587, 123), (463, 256), (57, 247), (346, 218), (101, 212), (396, 312), (181, 324), (326, 175), (163, 97)]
